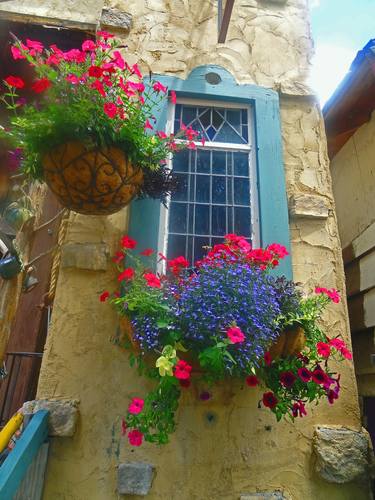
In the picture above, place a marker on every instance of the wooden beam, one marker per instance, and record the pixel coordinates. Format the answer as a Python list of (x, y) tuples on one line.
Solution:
[(224, 22)]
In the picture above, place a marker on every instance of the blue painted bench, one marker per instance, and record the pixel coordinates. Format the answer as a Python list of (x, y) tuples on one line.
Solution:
[(22, 460)]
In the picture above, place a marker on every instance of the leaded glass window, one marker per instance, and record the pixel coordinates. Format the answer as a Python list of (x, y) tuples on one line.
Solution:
[(216, 193)]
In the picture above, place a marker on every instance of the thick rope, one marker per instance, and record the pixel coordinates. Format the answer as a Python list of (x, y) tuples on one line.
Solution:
[(57, 257)]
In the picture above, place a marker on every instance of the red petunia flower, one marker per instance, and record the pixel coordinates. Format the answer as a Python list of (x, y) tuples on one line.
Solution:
[(267, 358), (119, 256), (104, 34), (104, 296), (332, 395), (304, 374), (319, 377), (148, 125), (159, 87), (136, 406), (173, 97), (323, 349), (135, 437), (147, 252), (235, 334), (127, 242), (269, 400), (123, 427), (34, 45), (88, 46), (41, 85), (14, 81), (182, 370), (298, 409), (252, 380), (127, 274), (346, 353), (337, 343), (110, 109), (95, 71), (152, 280), (287, 379), (16, 53)]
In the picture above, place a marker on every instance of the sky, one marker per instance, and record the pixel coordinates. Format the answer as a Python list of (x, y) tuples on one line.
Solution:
[(340, 29)]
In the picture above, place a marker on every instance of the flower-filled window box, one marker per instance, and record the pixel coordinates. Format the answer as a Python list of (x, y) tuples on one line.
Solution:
[(224, 317)]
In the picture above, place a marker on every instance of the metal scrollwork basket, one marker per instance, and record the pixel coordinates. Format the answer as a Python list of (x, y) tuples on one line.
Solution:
[(91, 181)]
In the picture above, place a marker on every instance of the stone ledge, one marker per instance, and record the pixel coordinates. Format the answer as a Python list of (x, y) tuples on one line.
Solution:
[(134, 478), (342, 455), (63, 415), (116, 19), (308, 206), (271, 495), (88, 256), (279, 2)]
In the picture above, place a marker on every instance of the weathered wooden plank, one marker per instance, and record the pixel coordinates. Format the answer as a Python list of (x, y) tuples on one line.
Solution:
[(31, 487), (18, 461), (30, 327)]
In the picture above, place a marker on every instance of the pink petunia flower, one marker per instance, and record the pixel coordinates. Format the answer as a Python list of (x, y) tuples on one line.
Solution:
[(136, 406), (235, 335)]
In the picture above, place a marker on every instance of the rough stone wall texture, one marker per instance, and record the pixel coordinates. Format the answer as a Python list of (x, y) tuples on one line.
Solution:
[(353, 177), (241, 449), (85, 12)]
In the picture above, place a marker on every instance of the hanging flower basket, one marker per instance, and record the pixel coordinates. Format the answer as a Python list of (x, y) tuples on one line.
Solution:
[(91, 182), (91, 136), (226, 317)]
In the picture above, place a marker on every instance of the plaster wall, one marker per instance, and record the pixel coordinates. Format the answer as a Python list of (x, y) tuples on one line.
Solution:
[(241, 448), (353, 176)]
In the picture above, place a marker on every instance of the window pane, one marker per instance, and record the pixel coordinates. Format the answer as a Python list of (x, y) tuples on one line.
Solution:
[(176, 246), (241, 164), (199, 251), (202, 219), (241, 191), (177, 218), (242, 224), (218, 221), (218, 190), (181, 161), (203, 161), (218, 162), (181, 193), (202, 190)]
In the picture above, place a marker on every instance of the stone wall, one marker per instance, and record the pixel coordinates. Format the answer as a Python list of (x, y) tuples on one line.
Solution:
[(225, 448)]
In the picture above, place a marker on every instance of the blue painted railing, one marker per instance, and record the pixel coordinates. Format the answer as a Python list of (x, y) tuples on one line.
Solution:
[(17, 463)]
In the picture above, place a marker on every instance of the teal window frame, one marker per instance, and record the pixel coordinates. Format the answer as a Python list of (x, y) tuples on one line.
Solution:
[(144, 221)]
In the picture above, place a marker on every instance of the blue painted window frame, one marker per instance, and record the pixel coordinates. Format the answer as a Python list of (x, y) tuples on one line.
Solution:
[(273, 208)]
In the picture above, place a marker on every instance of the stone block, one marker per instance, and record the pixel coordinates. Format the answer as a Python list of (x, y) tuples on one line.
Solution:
[(63, 415), (134, 478), (341, 454), (89, 256), (269, 495), (280, 2), (308, 206), (116, 19)]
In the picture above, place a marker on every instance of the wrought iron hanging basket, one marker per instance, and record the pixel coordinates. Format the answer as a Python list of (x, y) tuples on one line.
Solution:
[(91, 181)]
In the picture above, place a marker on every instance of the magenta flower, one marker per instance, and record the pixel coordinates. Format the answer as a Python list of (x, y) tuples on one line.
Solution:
[(135, 437), (304, 374), (136, 406), (235, 335)]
